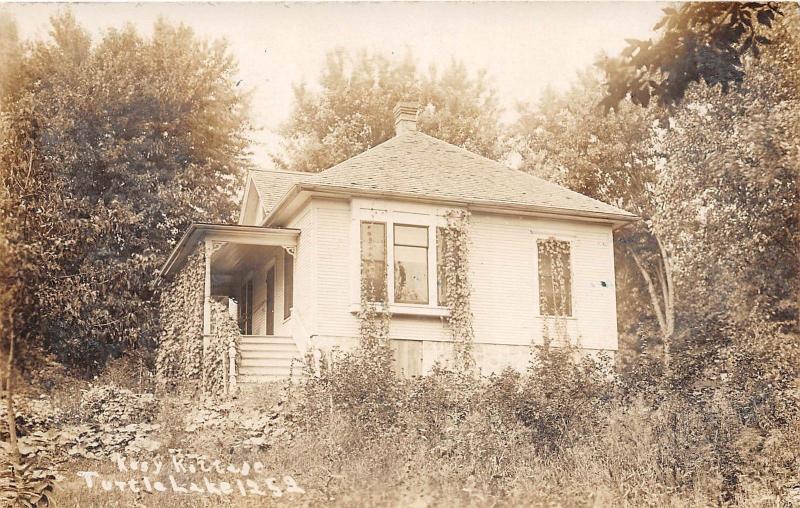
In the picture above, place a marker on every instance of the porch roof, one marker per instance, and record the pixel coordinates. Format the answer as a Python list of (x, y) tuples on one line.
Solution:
[(230, 233)]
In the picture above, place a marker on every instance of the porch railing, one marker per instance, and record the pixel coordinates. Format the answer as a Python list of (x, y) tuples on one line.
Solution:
[(230, 385)]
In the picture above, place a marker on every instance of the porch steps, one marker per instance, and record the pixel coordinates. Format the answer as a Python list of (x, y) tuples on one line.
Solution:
[(268, 358)]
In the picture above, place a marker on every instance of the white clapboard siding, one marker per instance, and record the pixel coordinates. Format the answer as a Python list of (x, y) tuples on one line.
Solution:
[(305, 273), (333, 268), (503, 267), (504, 274)]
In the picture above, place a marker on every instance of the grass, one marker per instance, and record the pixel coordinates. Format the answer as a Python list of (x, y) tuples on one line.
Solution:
[(562, 434)]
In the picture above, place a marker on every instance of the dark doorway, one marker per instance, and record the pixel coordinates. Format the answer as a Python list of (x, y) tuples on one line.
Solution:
[(246, 308)]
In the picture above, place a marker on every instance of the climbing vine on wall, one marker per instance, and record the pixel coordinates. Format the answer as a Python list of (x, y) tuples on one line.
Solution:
[(455, 238), (180, 348), (555, 290), (373, 317), (224, 336)]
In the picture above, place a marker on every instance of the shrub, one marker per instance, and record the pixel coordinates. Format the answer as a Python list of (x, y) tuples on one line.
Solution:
[(31, 415), (111, 404), (360, 385), (438, 401), (25, 485), (133, 370), (561, 397), (566, 431)]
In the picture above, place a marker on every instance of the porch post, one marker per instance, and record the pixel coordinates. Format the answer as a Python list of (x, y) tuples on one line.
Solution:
[(209, 250)]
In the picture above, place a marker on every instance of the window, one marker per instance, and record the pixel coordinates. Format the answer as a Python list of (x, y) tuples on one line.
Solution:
[(410, 264), (288, 284), (246, 308), (555, 278), (373, 260), (441, 274)]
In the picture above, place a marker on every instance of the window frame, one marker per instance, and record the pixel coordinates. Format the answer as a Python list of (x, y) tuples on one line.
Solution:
[(427, 248), (386, 262), (538, 304), (391, 213)]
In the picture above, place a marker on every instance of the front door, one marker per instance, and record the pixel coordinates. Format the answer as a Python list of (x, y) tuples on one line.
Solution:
[(245, 304), (271, 301)]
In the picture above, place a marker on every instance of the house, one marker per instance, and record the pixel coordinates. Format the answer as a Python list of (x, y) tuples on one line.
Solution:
[(293, 263)]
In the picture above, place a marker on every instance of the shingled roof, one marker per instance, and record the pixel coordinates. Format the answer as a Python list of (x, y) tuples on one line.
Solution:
[(418, 165), (272, 185)]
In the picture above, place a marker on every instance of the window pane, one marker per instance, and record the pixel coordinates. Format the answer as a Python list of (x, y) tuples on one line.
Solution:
[(555, 278), (441, 275), (373, 259), (410, 274), (416, 236), (373, 241)]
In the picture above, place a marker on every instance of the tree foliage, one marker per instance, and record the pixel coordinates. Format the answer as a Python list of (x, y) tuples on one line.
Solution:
[(698, 41), (733, 166), (109, 149), (352, 110)]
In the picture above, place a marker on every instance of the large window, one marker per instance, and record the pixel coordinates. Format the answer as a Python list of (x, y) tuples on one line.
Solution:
[(410, 264), (373, 260), (555, 278), (288, 284)]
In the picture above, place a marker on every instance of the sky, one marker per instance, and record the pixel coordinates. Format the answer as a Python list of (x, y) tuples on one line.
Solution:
[(524, 47)]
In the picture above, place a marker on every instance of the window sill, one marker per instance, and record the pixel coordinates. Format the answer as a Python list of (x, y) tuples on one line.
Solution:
[(406, 309)]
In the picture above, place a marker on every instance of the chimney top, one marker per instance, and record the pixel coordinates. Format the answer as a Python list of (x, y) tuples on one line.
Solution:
[(405, 117)]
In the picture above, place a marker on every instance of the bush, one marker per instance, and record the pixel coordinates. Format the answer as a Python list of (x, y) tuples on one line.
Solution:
[(561, 397), (566, 431), (133, 370), (358, 385), (112, 404)]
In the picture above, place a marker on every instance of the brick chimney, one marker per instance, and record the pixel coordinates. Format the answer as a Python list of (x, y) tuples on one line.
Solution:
[(405, 117)]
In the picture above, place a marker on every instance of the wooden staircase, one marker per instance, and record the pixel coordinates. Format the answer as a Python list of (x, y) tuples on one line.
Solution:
[(267, 358)]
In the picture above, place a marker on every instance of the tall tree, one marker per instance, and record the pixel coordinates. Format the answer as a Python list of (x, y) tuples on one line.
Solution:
[(108, 151), (716, 182), (733, 164), (352, 111), (9, 286), (697, 42), (712, 44)]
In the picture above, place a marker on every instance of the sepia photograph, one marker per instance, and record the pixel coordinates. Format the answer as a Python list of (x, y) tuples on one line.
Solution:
[(399, 254)]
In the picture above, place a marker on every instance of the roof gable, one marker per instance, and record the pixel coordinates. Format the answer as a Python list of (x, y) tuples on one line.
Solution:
[(415, 164), (272, 185)]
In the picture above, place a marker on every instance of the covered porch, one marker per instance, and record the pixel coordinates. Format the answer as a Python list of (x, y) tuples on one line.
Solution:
[(250, 272), (250, 269)]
